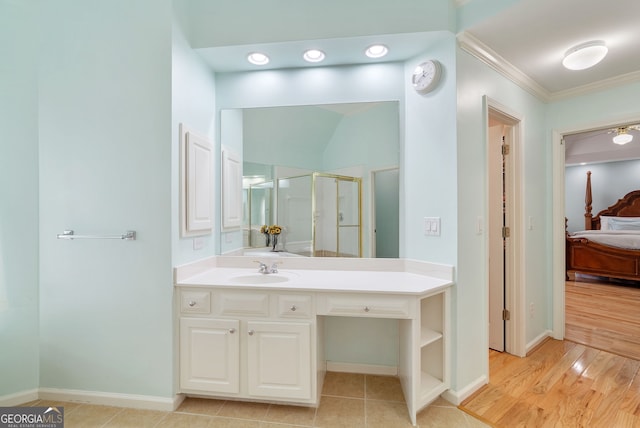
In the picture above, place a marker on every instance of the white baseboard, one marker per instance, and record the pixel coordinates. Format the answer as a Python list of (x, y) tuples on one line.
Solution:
[(457, 397), (371, 369), (18, 398), (538, 340), (111, 399)]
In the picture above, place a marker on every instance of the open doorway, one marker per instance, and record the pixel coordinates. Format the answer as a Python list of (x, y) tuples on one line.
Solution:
[(504, 264), (386, 216), (616, 172)]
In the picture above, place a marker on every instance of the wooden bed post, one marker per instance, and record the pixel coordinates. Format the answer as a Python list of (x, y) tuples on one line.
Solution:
[(588, 217)]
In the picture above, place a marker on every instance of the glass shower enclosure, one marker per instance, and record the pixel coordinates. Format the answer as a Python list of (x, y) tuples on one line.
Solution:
[(320, 214)]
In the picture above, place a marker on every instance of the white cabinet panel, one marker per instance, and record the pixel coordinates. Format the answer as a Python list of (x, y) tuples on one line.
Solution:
[(196, 175), (279, 359), (209, 355), (231, 189)]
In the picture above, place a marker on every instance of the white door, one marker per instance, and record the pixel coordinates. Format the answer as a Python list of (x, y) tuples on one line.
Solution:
[(497, 242), (279, 359), (209, 355)]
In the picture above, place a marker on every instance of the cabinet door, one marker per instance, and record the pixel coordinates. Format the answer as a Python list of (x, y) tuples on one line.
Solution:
[(231, 189), (209, 355), (279, 359)]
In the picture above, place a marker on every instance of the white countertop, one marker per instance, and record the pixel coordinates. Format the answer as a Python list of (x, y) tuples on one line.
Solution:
[(323, 280)]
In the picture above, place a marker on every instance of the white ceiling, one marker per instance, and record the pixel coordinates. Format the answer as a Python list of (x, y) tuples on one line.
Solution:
[(533, 36)]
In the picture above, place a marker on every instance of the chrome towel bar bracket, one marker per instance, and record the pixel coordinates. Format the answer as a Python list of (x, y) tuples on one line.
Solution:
[(129, 235)]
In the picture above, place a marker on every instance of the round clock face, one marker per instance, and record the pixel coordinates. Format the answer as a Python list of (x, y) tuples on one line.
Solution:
[(425, 77)]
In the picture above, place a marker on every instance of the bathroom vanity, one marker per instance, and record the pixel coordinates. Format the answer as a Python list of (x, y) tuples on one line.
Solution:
[(253, 336)]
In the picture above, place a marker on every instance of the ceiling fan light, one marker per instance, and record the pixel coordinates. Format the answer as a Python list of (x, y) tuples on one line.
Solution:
[(585, 55), (622, 137)]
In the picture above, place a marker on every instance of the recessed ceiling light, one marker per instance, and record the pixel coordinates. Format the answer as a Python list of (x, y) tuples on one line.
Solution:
[(585, 55), (258, 58), (376, 51), (313, 55)]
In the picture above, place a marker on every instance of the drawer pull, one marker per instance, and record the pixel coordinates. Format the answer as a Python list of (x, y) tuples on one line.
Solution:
[(251, 332), (293, 308), (366, 309), (192, 303), (232, 330)]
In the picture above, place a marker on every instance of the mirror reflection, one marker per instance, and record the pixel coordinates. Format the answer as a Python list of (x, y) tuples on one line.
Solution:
[(321, 181)]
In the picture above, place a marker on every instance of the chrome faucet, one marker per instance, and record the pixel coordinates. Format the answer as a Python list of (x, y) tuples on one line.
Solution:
[(263, 268)]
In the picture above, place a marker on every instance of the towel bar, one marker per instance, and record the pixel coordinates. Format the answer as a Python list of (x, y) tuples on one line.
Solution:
[(129, 235)]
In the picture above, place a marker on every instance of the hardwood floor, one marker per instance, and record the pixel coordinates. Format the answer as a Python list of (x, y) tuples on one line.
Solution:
[(603, 315), (592, 379), (561, 384)]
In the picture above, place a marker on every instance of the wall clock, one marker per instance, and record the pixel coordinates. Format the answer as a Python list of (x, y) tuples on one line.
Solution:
[(426, 76)]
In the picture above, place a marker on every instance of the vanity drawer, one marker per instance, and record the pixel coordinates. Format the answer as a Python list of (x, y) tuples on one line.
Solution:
[(195, 302), (294, 306), (366, 305), (238, 303)]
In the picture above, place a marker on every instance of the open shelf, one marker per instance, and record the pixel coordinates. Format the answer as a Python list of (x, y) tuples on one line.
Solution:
[(430, 387), (428, 336)]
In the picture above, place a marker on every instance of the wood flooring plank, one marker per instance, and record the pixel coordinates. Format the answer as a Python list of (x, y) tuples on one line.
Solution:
[(591, 380)]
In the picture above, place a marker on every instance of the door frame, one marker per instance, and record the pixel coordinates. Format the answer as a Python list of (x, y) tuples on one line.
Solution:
[(558, 215), (515, 337)]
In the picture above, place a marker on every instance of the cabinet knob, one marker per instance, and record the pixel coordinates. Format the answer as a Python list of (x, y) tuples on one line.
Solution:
[(232, 330), (366, 309), (251, 332), (293, 308), (192, 303)]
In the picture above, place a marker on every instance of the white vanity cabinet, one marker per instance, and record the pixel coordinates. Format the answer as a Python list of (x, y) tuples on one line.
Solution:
[(247, 344), (266, 342)]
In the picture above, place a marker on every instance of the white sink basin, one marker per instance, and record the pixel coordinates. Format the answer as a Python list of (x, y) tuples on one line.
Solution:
[(260, 278)]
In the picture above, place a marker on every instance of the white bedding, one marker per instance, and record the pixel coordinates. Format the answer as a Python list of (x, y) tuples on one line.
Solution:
[(627, 239)]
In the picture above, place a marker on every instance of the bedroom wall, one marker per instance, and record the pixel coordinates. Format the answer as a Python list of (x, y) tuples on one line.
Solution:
[(610, 181)]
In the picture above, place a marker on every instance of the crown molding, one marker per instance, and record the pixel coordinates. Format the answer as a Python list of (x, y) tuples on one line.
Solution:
[(612, 82), (460, 3), (487, 55)]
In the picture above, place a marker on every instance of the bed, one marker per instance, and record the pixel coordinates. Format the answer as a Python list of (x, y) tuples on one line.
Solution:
[(610, 244)]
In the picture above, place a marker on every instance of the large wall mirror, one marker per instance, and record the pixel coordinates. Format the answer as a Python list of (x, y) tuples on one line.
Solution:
[(319, 180)]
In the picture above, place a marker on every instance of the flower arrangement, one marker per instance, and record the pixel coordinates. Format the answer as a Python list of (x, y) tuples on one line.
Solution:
[(271, 234)]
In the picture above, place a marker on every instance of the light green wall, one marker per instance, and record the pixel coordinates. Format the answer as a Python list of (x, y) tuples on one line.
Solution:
[(474, 81), (19, 368), (104, 125), (193, 105)]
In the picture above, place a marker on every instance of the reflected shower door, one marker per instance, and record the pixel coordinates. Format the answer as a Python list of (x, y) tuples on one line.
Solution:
[(337, 205)]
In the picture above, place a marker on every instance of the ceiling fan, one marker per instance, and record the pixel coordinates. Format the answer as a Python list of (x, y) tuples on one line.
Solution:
[(622, 134)]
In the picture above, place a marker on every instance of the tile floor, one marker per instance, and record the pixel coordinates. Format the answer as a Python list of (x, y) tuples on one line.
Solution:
[(348, 401)]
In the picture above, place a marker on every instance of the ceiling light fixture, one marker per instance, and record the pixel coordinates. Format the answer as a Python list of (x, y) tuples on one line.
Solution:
[(258, 58), (376, 51), (585, 55), (313, 55), (622, 136)]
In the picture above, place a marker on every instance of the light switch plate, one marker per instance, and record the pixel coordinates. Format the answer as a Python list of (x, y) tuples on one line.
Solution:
[(432, 226)]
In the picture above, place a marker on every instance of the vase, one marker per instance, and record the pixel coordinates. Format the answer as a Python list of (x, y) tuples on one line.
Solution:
[(268, 239), (274, 241)]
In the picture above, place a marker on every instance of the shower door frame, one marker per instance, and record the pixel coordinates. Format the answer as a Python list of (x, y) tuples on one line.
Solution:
[(337, 177)]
